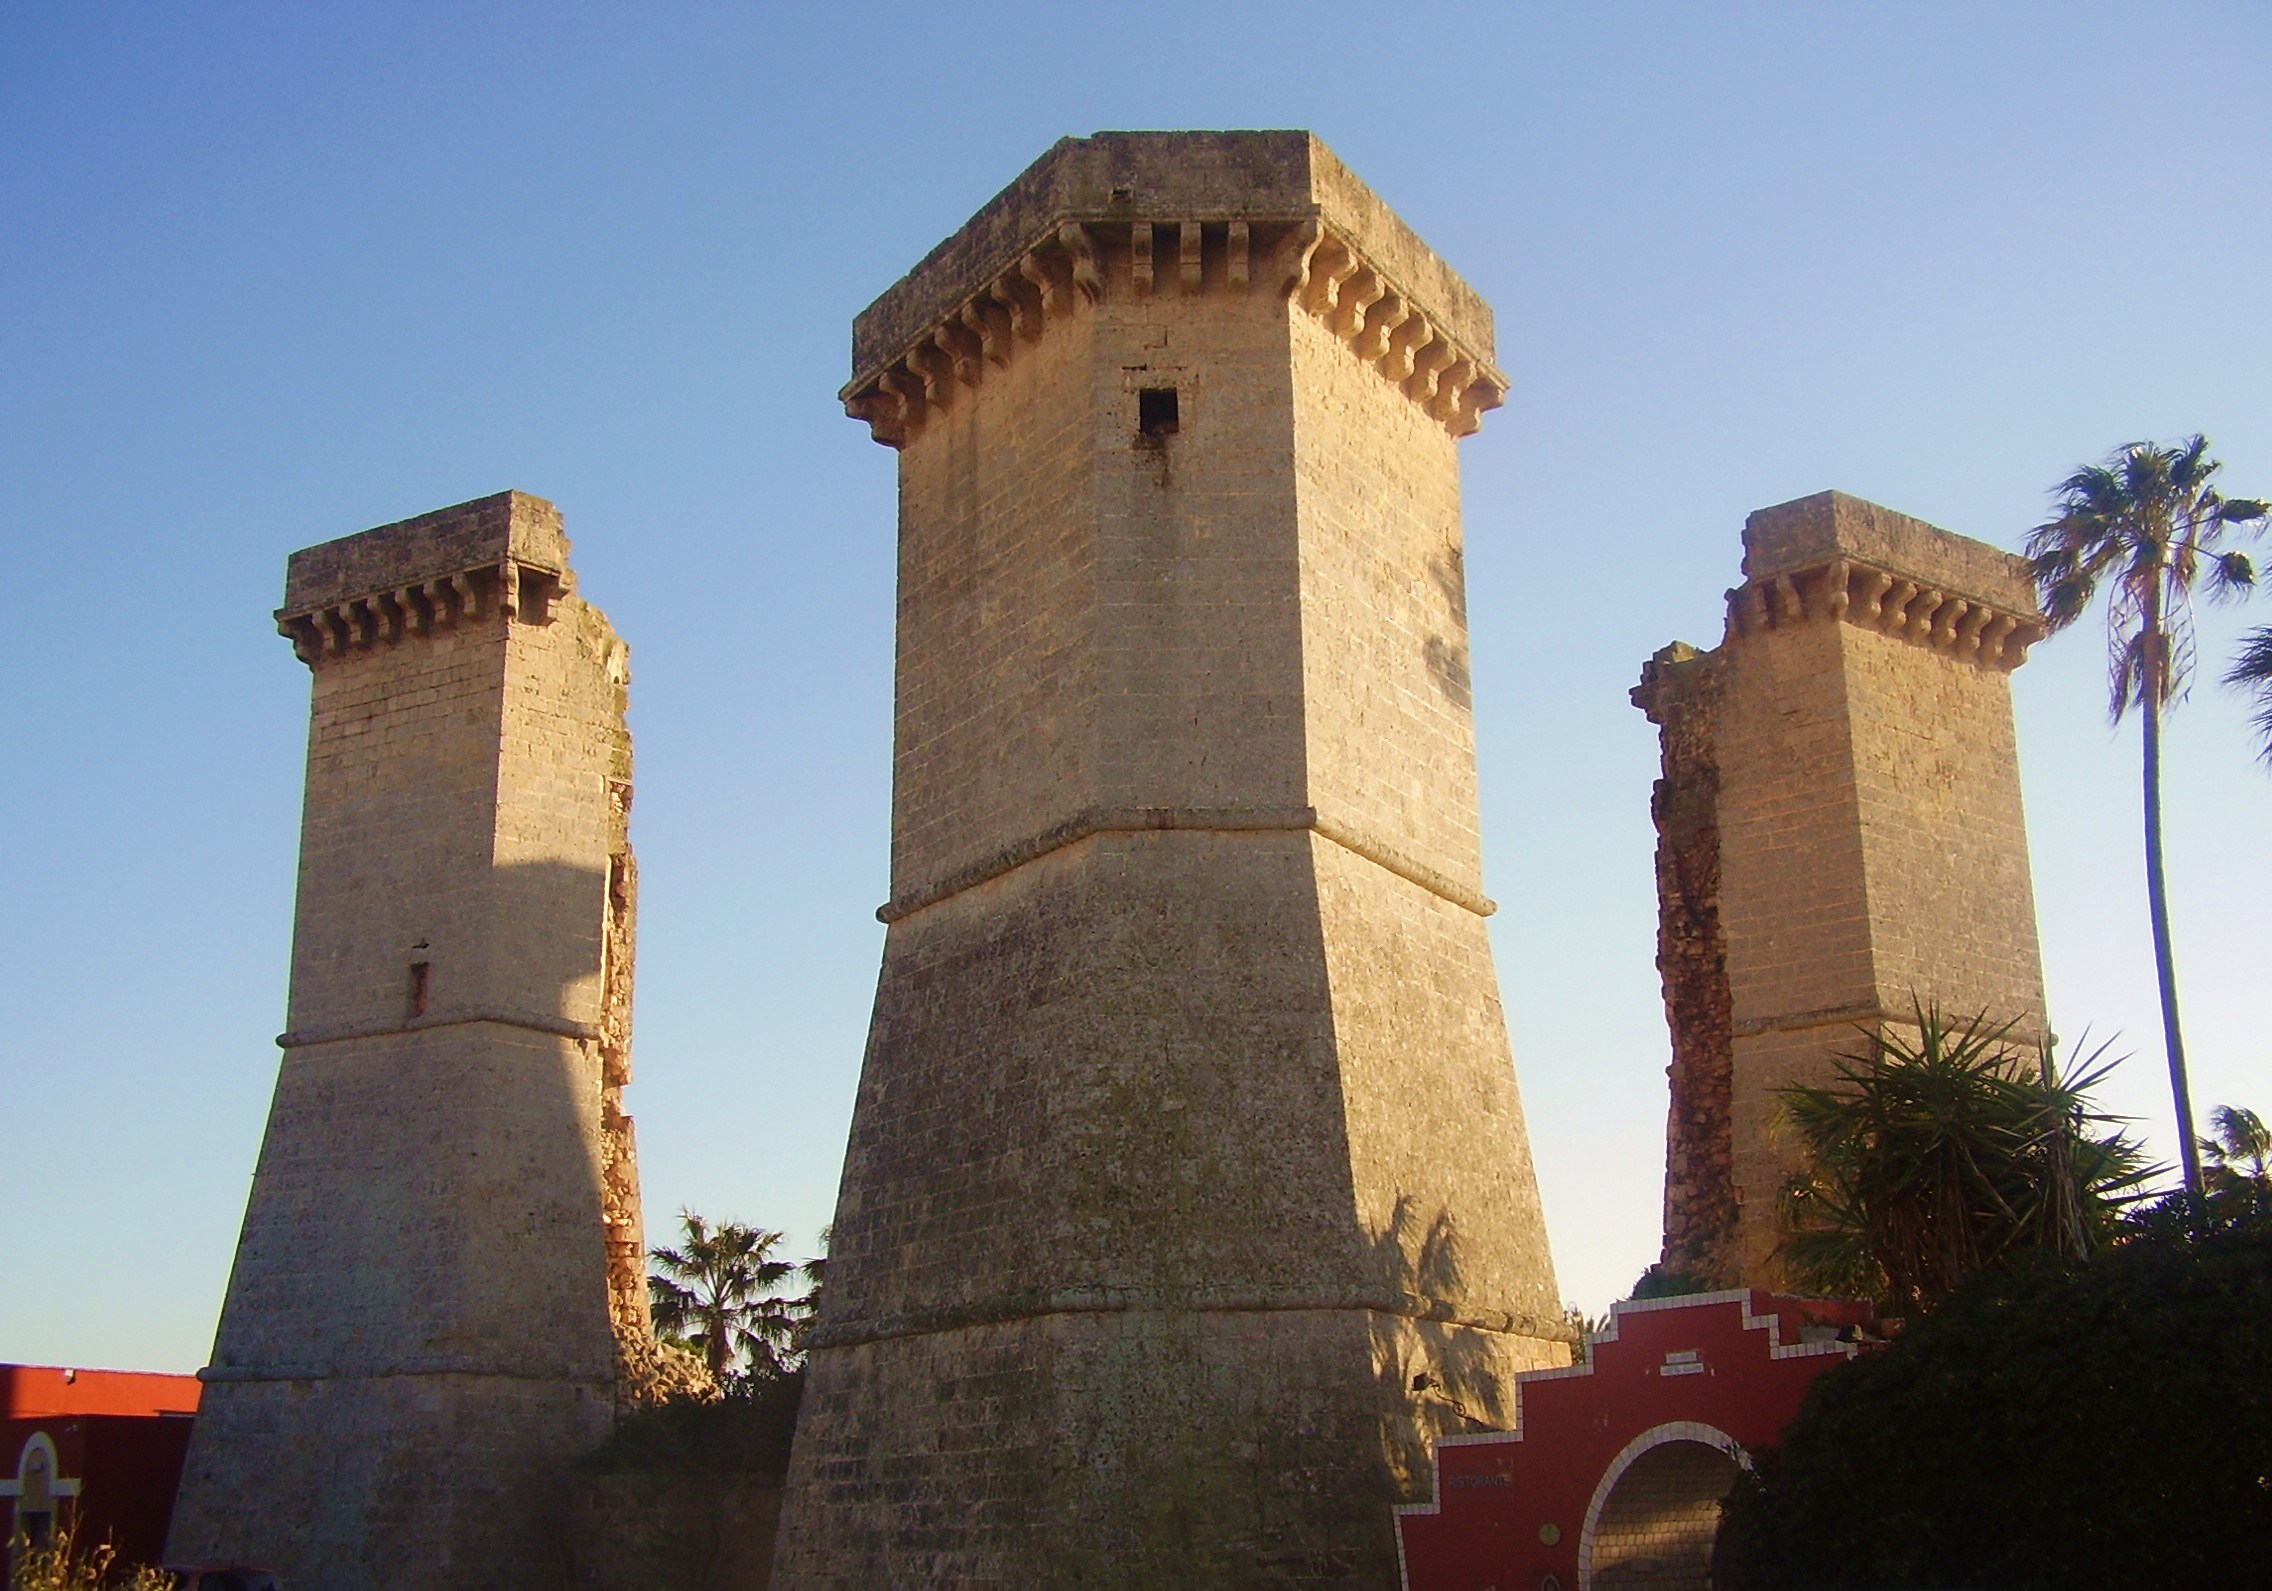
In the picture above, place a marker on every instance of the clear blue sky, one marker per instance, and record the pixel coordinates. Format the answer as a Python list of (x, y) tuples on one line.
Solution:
[(273, 274)]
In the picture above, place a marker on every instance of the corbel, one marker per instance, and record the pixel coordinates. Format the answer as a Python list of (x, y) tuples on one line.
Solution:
[(1074, 239), (1140, 259), (509, 589), (1945, 622), (1404, 345), (907, 387), (412, 601), (1241, 253), (1481, 395), (1451, 381), (1790, 609), (1035, 269), (1325, 285), (468, 594), (1836, 597), (993, 341), (1894, 617), (305, 635), (953, 342), (1920, 628), (1190, 257), (1025, 325), (362, 623), (882, 411), (391, 617), (336, 636), (1992, 639), (924, 361), (1873, 596), (1968, 631), (1365, 290), (1427, 365), (1297, 253), (1372, 342)]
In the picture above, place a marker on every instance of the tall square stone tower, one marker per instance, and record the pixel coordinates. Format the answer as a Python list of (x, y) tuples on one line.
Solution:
[(1840, 838), (1187, 1195), (439, 1295)]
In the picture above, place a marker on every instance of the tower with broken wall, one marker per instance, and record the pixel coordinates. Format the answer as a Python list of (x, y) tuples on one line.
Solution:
[(1840, 837), (1187, 1194), (439, 1295)]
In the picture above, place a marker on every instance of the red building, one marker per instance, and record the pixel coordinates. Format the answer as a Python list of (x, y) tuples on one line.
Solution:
[(1614, 1473), (101, 1447)]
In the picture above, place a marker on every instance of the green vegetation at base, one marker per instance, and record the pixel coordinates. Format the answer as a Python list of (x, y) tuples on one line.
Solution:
[(1929, 1161), (2068, 1425), (746, 1432)]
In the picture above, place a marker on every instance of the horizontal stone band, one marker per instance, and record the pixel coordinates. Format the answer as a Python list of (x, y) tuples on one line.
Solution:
[(1206, 820), (340, 1033), (923, 1323), (448, 1365)]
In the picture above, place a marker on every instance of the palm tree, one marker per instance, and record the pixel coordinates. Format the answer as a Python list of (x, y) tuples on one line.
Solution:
[(2239, 1148), (1930, 1161), (2253, 668), (715, 1293), (2147, 523)]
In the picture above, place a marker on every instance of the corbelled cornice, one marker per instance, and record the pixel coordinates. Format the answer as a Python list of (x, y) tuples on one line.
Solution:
[(1903, 606), (1138, 215)]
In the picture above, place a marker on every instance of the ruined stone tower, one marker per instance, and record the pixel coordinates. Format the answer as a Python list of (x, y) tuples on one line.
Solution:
[(1839, 837), (439, 1293), (1187, 1192)]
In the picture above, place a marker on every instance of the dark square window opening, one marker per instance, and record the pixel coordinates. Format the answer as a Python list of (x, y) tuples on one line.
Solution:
[(1156, 411)]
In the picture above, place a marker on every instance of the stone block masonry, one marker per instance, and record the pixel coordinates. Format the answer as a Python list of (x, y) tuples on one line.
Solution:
[(1188, 1196), (1839, 837), (439, 1296)]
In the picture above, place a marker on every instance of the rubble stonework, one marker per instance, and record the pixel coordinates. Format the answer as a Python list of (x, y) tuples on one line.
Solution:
[(438, 1299), (1188, 1196), (1839, 837)]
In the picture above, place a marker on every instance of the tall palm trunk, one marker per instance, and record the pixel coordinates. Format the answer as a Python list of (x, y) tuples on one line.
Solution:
[(2157, 895)]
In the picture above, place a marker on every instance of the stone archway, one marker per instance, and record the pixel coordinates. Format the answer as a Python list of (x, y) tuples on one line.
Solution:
[(1656, 1513)]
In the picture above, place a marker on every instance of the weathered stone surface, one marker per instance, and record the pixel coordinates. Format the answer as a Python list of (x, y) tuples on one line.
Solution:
[(1187, 1140), (680, 1530), (439, 1295), (1840, 836)]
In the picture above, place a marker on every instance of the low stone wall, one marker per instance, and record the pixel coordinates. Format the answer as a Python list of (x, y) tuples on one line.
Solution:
[(673, 1531)]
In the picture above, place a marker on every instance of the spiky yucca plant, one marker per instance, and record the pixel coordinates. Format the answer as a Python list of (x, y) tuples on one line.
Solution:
[(1933, 1159)]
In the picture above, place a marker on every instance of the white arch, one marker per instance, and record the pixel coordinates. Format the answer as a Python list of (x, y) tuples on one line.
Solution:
[(1655, 1436)]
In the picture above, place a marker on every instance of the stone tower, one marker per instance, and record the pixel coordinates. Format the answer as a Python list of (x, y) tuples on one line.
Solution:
[(439, 1293), (1187, 1194), (1839, 837)]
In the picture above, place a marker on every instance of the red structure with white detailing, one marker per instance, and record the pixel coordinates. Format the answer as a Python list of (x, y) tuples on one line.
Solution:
[(1615, 1470), (100, 1448)]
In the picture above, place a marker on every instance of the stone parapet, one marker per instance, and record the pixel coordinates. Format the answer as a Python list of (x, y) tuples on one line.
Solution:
[(495, 556), (1835, 556), (1134, 215)]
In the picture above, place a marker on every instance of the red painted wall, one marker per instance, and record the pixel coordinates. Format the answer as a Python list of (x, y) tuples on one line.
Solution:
[(1510, 1509), (121, 1434)]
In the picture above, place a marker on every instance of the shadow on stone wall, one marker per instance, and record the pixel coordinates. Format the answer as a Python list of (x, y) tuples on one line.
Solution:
[(687, 1495), (1436, 1378)]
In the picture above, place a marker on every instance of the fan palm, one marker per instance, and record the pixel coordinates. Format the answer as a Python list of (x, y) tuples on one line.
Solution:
[(2253, 669), (717, 1294), (2239, 1147), (1927, 1162), (2147, 524)]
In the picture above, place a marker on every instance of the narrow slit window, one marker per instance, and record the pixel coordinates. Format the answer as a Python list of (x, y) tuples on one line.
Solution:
[(1156, 411), (419, 973)]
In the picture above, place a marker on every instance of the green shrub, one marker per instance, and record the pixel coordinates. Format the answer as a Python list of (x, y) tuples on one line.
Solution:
[(2103, 1424), (746, 1432)]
